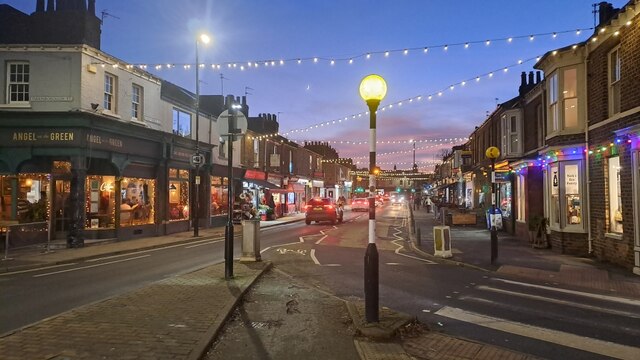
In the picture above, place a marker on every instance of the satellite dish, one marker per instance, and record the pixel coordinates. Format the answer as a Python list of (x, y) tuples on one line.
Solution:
[(238, 127)]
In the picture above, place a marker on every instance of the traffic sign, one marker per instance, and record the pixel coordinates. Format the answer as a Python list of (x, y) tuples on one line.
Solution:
[(238, 127), (197, 159)]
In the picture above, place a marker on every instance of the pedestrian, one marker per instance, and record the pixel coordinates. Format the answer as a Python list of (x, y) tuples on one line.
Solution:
[(416, 203)]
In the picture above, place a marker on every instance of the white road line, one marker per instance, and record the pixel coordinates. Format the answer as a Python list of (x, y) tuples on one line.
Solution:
[(573, 292), (322, 238), (410, 256), (592, 345), (332, 265), (561, 302), (393, 264), (204, 243), (313, 257), (91, 266), (265, 249), (38, 269), (150, 250)]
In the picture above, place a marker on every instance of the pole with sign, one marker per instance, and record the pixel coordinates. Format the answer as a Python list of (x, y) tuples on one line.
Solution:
[(235, 124), (493, 153)]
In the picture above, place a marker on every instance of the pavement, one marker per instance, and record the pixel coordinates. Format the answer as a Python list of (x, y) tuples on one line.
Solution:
[(265, 313)]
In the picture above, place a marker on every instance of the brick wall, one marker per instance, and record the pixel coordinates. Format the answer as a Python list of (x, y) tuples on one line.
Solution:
[(611, 248), (569, 243)]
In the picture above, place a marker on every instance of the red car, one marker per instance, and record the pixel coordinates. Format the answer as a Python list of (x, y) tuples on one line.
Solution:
[(360, 204), (322, 209)]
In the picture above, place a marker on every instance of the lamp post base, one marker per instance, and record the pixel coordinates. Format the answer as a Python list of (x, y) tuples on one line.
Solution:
[(494, 244), (228, 252), (371, 283)]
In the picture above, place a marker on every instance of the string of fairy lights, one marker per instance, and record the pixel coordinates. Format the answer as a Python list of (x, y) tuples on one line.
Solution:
[(398, 104), (350, 60), (410, 141)]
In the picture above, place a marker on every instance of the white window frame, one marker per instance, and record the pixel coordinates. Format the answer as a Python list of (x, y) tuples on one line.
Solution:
[(563, 224), (256, 153), (137, 102), (521, 211), (110, 90), (554, 115), (613, 80), (566, 99), (173, 125), (18, 84), (614, 190)]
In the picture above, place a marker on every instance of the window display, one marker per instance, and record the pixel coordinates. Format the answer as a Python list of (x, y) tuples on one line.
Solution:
[(178, 194), (615, 196), (100, 202), (138, 198), (31, 201), (219, 196)]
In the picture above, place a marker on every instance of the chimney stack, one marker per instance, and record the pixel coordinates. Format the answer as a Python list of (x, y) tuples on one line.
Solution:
[(40, 6), (51, 6), (605, 11), (531, 82), (538, 77), (92, 7)]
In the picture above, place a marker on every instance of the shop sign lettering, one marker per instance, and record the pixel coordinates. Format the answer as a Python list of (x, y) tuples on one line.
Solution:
[(48, 136)]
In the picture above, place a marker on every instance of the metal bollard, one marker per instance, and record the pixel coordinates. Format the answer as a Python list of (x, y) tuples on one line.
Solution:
[(6, 245)]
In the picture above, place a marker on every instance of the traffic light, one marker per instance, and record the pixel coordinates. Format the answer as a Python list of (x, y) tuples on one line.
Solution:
[(413, 190), (359, 190), (398, 189)]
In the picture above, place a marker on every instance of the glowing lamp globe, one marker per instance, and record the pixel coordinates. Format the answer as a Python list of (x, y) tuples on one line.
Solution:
[(492, 152), (204, 38), (373, 87)]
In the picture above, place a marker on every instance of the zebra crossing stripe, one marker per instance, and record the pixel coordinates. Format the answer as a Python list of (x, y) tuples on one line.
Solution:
[(592, 345)]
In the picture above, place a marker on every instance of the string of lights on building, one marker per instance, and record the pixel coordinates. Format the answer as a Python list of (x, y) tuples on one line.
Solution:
[(349, 142)]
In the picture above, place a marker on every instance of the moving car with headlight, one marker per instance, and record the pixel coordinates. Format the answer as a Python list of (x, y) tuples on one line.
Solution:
[(322, 209), (396, 198)]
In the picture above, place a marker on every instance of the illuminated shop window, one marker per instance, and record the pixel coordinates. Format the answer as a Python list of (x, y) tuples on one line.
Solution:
[(32, 197), (219, 196), (178, 194), (138, 199), (615, 196), (100, 202)]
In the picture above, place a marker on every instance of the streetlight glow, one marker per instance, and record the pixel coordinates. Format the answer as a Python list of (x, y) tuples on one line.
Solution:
[(204, 38), (373, 87)]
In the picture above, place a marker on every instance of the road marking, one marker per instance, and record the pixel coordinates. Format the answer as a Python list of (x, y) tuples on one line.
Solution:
[(313, 257), (155, 249), (204, 243), (322, 238), (561, 302), (592, 345), (265, 249), (573, 292), (332, 265), (91, 266), (393, 264), (38, 269)]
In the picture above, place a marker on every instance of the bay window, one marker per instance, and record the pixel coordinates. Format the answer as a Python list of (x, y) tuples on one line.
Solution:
[(566, 196)]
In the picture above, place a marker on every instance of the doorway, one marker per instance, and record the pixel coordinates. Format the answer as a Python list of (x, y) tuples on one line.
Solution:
[(61, 208)]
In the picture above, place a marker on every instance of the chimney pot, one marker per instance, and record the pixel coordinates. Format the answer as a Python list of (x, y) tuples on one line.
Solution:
[(538, 77), (531, 82)]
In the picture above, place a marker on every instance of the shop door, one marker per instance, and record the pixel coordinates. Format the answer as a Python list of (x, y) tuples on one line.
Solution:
[(61, 212)]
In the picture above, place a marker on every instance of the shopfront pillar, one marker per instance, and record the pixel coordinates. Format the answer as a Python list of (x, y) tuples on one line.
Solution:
[(75, 237)]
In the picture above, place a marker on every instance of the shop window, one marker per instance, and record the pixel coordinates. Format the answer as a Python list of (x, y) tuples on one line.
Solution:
[(178, 194), (572, 191), (219, 196), (181, 123), (137, 201), (615, 196), (109, 92), (555, 196), (505, 199), (18, 82), (32, 197), (100, 202)]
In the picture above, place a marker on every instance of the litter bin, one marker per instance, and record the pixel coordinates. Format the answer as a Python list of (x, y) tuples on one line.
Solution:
[(250, 241)]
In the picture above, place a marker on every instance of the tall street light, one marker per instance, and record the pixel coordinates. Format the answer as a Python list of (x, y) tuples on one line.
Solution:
[(373, 88), (197, 158)]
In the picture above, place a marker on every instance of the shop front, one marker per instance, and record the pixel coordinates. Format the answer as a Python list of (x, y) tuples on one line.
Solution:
[(219, 196), (90, 182), (564, 179)]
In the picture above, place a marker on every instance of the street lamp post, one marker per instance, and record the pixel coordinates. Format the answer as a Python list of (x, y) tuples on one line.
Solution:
[(204, 38), (373, 88), (493, 153), (228, 230)]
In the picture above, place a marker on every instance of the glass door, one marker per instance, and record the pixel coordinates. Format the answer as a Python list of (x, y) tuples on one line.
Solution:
[(61, 208)]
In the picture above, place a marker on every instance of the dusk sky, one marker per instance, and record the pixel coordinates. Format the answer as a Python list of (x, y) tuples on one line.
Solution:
[(308, 94)]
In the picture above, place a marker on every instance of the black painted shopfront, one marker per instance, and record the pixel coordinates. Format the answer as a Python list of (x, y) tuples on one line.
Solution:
[(95, 177)]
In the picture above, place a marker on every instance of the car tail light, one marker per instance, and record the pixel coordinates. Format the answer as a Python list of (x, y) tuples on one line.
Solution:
[(308, 207), (328, 207)]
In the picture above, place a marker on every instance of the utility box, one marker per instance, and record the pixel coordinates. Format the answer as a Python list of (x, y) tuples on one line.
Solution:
[(442, 241), (250, 241)]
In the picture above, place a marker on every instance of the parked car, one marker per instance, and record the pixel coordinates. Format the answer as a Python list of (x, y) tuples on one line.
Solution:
[(322, 209), (360, 204)]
